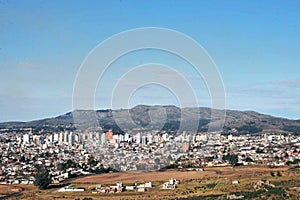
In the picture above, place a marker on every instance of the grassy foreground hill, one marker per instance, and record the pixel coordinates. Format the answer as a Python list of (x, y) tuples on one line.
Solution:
[(214, 183)]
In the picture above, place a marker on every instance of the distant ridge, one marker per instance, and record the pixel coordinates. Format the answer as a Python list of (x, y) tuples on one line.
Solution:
[(243, 121)]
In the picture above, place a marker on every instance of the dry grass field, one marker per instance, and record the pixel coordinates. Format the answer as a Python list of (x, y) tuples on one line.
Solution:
[(112, 178), (213, 183), (7, 191)]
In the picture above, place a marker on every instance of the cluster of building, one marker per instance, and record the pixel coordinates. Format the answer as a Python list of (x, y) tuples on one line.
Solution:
[(67, 154), (21, 154), (157, 149), (119, 187)]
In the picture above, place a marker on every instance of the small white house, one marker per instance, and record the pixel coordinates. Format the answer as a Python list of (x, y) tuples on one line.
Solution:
[(131, 187), (168, 185), (171, 184), (142, 189), (148, 185)]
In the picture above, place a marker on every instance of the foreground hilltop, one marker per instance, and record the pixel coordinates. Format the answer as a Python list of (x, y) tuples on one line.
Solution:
[(171, 118)]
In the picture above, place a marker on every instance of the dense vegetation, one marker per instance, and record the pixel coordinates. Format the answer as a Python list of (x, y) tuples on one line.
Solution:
[(249, 128), (42, 178), (231, 158)]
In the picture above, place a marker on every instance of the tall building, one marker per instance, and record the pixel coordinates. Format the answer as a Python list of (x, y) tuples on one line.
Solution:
[(76, 137), (126, 137), (50, 138), (66, 137), (144, 140), (266, 137), (150, 139), (61, 137), (26, 138), (103, 138), (55, 137), (37, 139), (71, 139), (91, 136), (156, 138), (121, 138), (138, 138)]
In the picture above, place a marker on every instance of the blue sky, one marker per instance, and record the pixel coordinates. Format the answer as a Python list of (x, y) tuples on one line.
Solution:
[(255, 44)]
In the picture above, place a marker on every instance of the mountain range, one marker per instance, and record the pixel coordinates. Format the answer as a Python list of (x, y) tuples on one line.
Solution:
[(157, 117)]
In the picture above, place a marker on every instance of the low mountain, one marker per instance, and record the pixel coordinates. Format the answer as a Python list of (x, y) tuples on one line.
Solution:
[(157, 117)]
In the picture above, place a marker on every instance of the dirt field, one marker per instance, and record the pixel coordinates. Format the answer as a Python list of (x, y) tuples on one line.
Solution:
[(7, 191), (112, 178)]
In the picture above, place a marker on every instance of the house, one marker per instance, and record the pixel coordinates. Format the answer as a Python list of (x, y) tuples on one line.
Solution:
[(98, 187), (171, 184), (131, 187), (119, 184), (168, 185), (142, 189), (148, 185)]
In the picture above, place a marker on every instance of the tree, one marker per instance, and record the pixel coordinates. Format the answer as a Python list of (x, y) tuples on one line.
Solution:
[(278, 173), (92, 162), (141, 167), (157, 161), (248, 159), (289, 163), (296, 161), (231, 158), (42, 178), (272, 173)]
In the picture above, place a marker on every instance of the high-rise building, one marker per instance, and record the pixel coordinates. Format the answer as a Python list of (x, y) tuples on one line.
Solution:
[(150, 139), (126, 137), (55, 137), (121, 138), (144, 140), (138, 138), (26, 138), (66, 137), (61, 137), (71, 139), (266, 137), (50, 138), (76, 137), (103, 138), (37, 139)]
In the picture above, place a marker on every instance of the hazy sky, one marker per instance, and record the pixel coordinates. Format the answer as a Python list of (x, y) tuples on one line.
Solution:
[(255, 45)]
